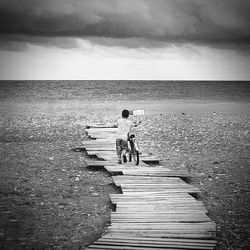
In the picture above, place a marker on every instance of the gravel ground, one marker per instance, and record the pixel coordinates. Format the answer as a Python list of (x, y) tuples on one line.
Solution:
[(49, 200)]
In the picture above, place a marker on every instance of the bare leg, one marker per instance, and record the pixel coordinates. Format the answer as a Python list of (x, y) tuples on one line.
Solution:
[(124, 151), (119, 156), (118, 151)]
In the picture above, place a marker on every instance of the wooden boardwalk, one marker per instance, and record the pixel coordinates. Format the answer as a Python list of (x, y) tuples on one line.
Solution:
[(156, 209)]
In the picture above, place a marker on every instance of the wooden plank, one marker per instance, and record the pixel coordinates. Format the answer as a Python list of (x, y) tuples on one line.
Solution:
[(99, 147), (98, 140), (165, 202), (146, 178), (97, 143), (104, 132), (164, 206), (150, 159), (153, 193), (144, 170), (93, 130), (108, 153), (166, 244), (103, 247), (157, 240), (100, 125), (108, 132), (99, 163), (189, 190), (161, 209), (128, 245), (141, 168), (103, 136), (158, 217), (156, 173), (167, 197), (160, 220), (154, 180), (166, 226), (151, 196), (93, 163), (162, 233), (155, 185), (90, 149), (152, 199)]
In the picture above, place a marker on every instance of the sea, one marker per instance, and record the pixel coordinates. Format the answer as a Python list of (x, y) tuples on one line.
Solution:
[(155, 96)]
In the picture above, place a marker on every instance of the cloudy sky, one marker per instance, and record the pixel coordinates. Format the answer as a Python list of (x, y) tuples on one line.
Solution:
[(125, 39)]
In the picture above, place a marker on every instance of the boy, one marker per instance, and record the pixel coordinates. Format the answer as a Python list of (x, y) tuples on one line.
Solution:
[(123, 124)]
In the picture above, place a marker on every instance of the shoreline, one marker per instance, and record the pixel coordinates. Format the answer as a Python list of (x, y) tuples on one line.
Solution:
[(113, 108)]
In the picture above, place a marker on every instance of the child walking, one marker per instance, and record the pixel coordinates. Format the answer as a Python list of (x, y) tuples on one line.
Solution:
[(124, 125)]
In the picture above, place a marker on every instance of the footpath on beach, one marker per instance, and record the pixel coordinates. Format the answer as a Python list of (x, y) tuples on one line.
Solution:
[(157, 209)]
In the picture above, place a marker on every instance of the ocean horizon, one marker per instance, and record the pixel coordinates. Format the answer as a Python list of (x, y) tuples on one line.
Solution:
[(113, 90), (110, 96)]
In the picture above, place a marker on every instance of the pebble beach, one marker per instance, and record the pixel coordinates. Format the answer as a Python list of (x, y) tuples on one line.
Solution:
[(49, 199)]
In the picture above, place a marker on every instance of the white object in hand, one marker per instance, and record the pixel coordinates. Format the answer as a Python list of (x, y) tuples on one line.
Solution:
[(138, 112)]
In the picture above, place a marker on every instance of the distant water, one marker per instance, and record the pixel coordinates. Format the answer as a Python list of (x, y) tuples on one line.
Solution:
[(98, 91)]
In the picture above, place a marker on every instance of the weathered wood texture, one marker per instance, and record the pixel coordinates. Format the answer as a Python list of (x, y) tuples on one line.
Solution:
[(156, 209)]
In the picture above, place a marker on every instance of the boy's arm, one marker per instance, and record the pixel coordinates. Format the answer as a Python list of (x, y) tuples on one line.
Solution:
[(116, 124)]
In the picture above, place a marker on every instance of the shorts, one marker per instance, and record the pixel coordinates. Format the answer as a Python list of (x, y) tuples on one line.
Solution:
[(121, 145)]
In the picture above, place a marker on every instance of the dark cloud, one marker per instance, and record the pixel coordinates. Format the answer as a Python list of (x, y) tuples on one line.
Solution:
[(195, 21), (21, 42)]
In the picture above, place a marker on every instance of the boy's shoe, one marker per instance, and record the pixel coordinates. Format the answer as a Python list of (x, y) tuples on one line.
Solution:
[(124, 158), (119, 162)]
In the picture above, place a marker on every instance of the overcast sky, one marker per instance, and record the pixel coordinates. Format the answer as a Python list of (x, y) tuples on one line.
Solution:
[(125, 39)]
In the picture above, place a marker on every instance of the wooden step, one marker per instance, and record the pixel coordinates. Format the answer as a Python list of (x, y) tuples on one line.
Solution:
[(98, 130), (187, 234), (154, 217), (100, 125), (100, 163), (156, 173), (154, 243)]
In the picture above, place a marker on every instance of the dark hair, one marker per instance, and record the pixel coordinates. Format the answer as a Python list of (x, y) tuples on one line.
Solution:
[(125, 113)]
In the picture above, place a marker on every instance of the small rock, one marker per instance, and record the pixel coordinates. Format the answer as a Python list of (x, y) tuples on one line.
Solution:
[(6, 212), (22, 239), (95, 194), (13, 221)]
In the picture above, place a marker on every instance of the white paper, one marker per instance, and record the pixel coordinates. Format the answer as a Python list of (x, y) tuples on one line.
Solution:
[(138, 112)]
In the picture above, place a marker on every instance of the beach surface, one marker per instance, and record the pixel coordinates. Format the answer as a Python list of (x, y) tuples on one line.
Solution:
[(50, 200)]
